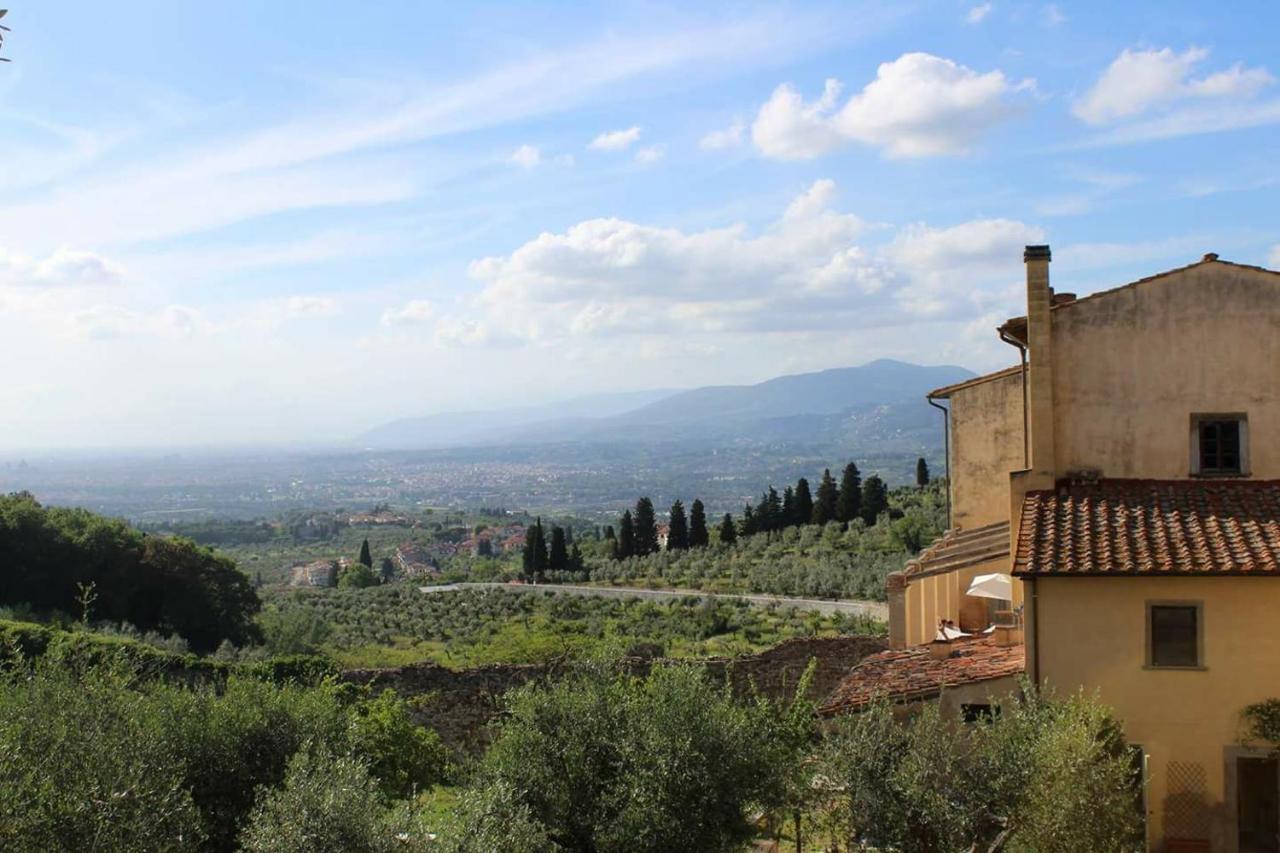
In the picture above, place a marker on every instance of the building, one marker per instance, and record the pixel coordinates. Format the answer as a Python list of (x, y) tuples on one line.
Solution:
[(320, 573), (1126, 473)]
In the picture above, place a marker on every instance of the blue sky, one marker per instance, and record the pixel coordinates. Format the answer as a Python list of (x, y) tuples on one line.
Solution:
[(242, 221)]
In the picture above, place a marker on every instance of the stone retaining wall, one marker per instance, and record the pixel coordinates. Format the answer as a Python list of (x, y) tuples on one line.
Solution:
[(459, 704)]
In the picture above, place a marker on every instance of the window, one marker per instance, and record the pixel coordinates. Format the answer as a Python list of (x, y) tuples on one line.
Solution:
[(1219, 445), (1174, 632), (979, 713)]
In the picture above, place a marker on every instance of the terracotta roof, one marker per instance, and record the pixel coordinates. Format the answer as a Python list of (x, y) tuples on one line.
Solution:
[(946, 390), (1143, 527), (907, 674)]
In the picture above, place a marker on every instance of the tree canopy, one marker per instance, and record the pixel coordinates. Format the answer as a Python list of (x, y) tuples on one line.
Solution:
[(50, 556)]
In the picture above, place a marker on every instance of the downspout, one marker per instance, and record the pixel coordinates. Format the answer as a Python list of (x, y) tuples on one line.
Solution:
[(1022, 355), (946, 451)]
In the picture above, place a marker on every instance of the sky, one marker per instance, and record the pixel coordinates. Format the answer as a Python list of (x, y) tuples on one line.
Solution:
[(245, 222)]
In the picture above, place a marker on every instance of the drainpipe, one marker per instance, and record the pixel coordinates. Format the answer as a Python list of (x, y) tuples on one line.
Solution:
[(1022, 356), (946, 451)]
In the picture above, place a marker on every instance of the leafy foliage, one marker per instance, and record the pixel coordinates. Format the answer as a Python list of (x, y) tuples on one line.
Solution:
[(49, 556), (397, 624), (1053, 776), (669, 762), (154, 764)]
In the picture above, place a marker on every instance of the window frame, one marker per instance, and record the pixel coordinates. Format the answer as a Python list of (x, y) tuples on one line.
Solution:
[(1200, 418), (1198, 606)]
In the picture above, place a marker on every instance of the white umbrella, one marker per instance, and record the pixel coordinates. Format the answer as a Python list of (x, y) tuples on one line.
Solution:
[(998, 586)]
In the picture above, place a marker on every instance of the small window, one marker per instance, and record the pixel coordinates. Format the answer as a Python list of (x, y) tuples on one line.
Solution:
[(1219, 445), (979, 713), (1174, 635)]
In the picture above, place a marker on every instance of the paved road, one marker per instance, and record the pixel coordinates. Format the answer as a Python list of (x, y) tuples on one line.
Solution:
[(876, 609)]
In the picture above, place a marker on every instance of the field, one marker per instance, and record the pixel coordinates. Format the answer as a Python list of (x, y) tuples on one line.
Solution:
[(397, 624)]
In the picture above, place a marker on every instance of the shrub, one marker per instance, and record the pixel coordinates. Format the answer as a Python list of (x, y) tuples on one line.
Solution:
[(607, 762), (327, 804)]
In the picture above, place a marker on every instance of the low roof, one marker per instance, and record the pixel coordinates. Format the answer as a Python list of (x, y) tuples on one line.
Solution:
[(1151, 527), (914, 673), (947, 390)]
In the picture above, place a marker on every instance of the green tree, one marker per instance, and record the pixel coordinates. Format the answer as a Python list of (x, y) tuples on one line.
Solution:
[(558, 558), (357, 575), (728, 532), (875, 499), (824, 507), (646, 525), (849, 500), (678, 529), (534, 560), (611, 543), (365, 556), (922, 472), (1050, 776), (668, 762), (788, 507), (698, 534), (626, 536), (803, 513)]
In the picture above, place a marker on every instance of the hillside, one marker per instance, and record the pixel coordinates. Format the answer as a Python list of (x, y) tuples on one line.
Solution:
[(874, 402)]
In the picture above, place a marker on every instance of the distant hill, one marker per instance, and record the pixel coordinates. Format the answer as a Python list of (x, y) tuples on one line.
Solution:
[(823, 393), (453, 429), (881, 402)]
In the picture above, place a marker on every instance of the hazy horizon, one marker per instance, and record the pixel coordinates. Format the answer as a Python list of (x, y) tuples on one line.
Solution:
[(239, 225)]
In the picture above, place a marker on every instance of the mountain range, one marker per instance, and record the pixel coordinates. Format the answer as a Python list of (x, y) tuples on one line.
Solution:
[(881, 402)]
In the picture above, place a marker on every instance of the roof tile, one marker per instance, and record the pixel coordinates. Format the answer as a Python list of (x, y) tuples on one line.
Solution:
[(1144, 527)]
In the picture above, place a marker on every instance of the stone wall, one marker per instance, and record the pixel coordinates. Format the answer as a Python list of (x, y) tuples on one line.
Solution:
[(459, 704)]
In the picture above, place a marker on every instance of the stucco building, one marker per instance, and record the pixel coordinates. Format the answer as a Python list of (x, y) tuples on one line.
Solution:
[(1126, 473)]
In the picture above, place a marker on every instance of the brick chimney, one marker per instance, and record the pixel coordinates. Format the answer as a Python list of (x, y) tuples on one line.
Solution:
[(1039, 362)]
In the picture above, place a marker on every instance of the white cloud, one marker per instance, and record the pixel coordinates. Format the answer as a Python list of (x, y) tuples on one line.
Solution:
[(1139, 81), (806, 272), (978, 13), (526, 156), (414, 312), (650, 154), (729, 137), (615, 140), (1054, 16), (919, 105), (114, 321), (64, 267)]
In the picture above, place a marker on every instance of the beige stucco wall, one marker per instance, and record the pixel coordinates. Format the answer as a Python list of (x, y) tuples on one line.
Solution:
[(1092, 634), (1130, 367), (986, 444)]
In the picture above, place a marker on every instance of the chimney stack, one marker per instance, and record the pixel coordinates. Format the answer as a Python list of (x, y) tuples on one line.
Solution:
[(1040, 361)]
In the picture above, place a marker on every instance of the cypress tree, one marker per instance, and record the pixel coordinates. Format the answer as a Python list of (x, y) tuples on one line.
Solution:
[(824, 508), (558, 558), (771, 509), (803, 503), (849, 503), (698, 535), (646, 528), (728, 533), (749, 527), (576, 563), (678, 529), (365, 556), (922, 472), (788, 507), (610, 543), (626, 536), (875, 499), (534, 560)]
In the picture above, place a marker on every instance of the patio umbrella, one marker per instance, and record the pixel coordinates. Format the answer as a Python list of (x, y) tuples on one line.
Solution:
[(998, 586)]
